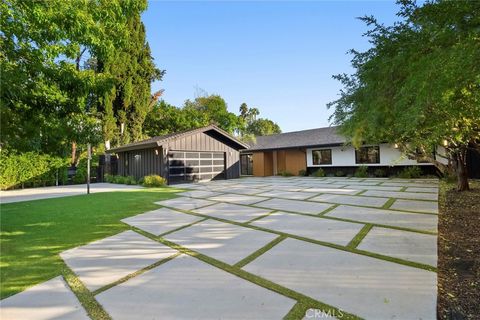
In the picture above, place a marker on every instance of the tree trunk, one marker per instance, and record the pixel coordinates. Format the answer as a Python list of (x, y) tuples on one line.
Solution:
[(460, 163), (74, 153)]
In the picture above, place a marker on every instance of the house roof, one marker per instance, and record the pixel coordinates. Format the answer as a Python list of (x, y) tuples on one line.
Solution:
[(306, 138), (160, 140)]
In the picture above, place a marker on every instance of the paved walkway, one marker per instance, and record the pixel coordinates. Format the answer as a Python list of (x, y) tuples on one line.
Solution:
[(20, 195), (263, 248)]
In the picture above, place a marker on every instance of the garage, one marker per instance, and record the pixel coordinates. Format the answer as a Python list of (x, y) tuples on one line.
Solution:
[(196, 166), (207, 153)]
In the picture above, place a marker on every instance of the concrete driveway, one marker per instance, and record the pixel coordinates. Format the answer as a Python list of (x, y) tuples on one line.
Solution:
[(263, 248), (20, 195)]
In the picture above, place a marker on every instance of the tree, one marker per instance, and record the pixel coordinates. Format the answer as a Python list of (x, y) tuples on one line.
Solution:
[(126, 105), (43, 83), (212, 109), (263, 127), (419, 84), (165, 118)]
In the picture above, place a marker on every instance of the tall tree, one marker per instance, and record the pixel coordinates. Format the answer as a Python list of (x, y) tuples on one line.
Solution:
[(43, 85), (263, 127), (126, 105), (419, 84), (212, 109)]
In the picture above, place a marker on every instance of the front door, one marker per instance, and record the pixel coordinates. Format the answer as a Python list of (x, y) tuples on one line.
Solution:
[(246, 164)]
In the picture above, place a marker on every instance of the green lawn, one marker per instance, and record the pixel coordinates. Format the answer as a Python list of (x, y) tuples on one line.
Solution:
[(33, 233)]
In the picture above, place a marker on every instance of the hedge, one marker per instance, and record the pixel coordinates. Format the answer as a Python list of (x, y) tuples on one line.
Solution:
[(31, 169)]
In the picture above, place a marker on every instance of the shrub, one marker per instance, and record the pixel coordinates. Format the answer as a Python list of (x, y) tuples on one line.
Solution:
[(154, 181), (130, 180), (302, 173), (410, 172), (119, 179), (108, 178), (340, 173), (380, 173), (285, 174), (361, 172), (319, 173), (30, 169)]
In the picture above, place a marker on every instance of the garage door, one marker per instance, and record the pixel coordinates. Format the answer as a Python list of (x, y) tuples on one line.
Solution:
[(195, 166)]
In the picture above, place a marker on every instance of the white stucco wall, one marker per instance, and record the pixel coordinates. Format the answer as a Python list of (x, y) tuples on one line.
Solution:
[(345, 157)]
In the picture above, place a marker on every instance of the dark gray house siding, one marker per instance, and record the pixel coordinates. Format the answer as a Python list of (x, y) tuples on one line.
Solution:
[(188, 154), (140, 163)]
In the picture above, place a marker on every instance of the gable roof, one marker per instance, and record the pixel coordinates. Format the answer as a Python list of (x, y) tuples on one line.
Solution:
[(160, 140), (306, 138)]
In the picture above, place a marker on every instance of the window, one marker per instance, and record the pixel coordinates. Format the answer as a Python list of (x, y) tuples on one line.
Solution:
[(367, 155), (322, 156)]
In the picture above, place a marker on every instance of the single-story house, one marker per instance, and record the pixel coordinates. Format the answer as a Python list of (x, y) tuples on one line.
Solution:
[(201, 154), (324, 148), (210, 153)]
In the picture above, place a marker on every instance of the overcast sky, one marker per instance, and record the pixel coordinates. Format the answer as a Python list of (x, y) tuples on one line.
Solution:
[(276, 56)]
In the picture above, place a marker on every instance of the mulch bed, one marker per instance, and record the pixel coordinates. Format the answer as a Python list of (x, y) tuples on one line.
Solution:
[(459, 254)]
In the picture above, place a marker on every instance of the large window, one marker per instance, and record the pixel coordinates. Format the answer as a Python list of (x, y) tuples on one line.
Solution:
[(322, 156), (367, 155)]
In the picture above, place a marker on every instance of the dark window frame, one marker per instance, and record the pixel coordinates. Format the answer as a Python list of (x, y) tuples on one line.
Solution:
[(358, 159), (320, 158)]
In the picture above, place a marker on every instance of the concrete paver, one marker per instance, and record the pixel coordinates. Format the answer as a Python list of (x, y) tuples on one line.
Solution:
[(367, 287), (294, 205), (338, 232), (185, 203), (352, 200), (405, 245), (187, 288), (108, 260), (232, 212), (222, 241), (417, 221), (50, 300), (161, 220)]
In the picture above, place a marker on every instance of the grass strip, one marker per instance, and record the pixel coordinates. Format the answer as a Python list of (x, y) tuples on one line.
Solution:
[(267, 284), (328, 244), (136, 273), (259, 252), (324, 212), (86, 298), (389, 203), (260, 217), (359, 237)]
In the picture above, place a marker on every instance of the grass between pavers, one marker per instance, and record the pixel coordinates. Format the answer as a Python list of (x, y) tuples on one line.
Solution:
[(86, 298), (259, 252), (389, 203), (33, 233), (267, 284), (360, 236), (322, 243)]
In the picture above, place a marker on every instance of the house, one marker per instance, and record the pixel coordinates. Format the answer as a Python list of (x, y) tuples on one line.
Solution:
[(205, 153), (324, 148)]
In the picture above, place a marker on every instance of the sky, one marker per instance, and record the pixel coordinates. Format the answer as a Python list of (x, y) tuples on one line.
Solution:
[(276, 56)]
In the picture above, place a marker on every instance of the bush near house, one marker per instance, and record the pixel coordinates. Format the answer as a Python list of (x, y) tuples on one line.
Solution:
[(380, 173), (302, 173), (154, 181), (319, 173), (285, 174), (410, 172), (361, 172), (340, 173)]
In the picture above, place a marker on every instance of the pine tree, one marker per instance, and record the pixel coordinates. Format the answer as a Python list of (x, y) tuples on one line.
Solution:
[(127, 104)]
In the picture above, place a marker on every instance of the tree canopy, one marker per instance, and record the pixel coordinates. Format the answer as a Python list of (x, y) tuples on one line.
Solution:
[(51, 80), (419, 84), (202, 111)]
